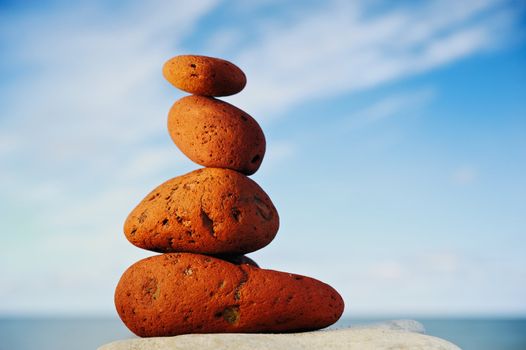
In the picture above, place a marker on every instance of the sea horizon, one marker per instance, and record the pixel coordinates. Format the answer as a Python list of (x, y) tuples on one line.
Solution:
[(21, 332)]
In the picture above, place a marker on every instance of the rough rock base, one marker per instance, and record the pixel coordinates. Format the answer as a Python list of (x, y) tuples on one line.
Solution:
[(400, 335)]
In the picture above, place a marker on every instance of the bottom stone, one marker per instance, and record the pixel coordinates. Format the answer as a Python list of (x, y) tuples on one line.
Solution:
[(184, 293), (392, 335)]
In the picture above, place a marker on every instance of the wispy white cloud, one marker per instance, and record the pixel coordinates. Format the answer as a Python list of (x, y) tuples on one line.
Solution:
[(8, 143), (342, 47), (421, 282), (95, 83), (387, 270), (464, 175), (278, 151), (390, 106)]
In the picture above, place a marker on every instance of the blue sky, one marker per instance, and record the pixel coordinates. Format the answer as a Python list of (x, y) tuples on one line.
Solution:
[(396, 140)]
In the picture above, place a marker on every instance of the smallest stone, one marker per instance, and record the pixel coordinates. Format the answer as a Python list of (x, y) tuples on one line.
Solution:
[(203, 75)]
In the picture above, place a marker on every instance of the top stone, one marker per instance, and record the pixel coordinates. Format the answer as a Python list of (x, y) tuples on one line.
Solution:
[(206, 76)]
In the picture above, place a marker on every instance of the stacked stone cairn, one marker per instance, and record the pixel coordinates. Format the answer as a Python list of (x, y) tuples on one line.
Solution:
[(205, 221)]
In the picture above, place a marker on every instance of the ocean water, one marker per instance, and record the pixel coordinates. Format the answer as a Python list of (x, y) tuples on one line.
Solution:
[(469, 333), (90, 333)]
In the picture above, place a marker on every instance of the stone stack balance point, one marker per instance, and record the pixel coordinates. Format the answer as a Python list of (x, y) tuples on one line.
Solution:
[(205, 221)]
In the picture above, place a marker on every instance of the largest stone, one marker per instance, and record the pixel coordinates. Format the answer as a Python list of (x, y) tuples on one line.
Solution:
[(172, 294)]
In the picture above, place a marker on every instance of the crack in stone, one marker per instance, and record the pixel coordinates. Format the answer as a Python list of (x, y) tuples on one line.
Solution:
[(263, 209), (208, 223), (244, 279)]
